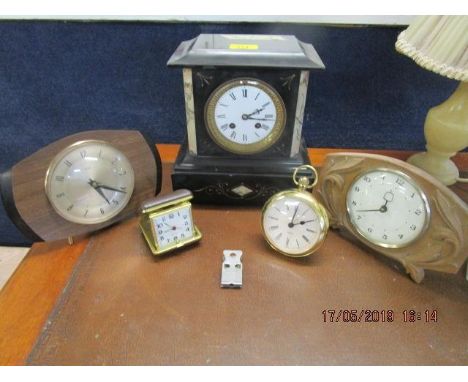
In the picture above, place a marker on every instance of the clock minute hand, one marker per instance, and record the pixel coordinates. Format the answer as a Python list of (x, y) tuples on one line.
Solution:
[(247, 116), (388, 197), (376, 210), (291, 223), (260, 119), (110, 188)]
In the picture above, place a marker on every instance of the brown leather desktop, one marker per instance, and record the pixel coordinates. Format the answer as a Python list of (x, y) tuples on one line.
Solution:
[(124, 306)]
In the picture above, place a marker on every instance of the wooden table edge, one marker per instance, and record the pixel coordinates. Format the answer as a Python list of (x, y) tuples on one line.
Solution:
[(45, 271)]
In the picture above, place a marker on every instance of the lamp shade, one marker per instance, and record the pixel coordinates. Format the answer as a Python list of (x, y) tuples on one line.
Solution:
[(439, 44)]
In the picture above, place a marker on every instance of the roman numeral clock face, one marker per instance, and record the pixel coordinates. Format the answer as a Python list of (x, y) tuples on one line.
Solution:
[(293, 223), (89, 182), (245, 116)]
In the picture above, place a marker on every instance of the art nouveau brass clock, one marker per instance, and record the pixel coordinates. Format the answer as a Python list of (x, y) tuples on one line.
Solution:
[(395, 209), (167, 223), (294, 223), (387, 208), (244, 100)]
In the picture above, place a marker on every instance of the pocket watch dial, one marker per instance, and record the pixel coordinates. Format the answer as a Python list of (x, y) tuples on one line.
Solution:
[(387, 208), (293, 225), (173, 227), (89, 182), (245, 116)]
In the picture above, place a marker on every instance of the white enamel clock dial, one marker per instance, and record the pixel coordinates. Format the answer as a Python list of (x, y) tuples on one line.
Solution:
[(89, 182), (387, 208), (173, 227), (245, 116), (293, 224)]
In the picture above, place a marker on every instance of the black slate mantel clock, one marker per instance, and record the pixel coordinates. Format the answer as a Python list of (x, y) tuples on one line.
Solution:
[(244, 100)]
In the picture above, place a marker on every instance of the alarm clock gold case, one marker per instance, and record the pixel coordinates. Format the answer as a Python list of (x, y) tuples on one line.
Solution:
[(395, 209), (167, 223), (39, 211)]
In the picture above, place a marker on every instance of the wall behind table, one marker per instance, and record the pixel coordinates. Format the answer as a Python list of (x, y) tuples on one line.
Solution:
[(59, 78)]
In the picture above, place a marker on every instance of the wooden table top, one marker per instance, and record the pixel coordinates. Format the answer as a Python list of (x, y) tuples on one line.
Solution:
[(27, 301)]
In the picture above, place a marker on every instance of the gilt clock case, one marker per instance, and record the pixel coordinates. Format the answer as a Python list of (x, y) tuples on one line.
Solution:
[(217, 175)]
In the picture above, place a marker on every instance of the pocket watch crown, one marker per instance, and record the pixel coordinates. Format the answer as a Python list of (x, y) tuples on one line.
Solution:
[(303, 182)]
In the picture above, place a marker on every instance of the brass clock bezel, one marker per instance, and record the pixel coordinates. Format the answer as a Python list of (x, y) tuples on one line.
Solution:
[(151, 235), (239, 148), (307, 198), (408, 179), (59, 157)]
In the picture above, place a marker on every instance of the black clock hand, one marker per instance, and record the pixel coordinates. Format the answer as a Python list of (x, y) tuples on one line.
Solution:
[(260, 119), (93, 184), (291, 224), (388, 197), (247, 116), (109, 188), (303, 222), (376, 210)]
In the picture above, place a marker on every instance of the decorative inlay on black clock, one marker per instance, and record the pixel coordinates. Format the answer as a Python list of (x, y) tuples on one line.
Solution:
[(244, 99)]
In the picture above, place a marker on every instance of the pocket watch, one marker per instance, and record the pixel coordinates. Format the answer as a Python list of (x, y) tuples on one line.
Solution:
[(89, 182), (245, 116), (167, 223), (294, 223)]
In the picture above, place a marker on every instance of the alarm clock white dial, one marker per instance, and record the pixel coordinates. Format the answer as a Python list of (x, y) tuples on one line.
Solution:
[(89, 182), (387, 208), (173, 227), (293, 223), (245, 116)]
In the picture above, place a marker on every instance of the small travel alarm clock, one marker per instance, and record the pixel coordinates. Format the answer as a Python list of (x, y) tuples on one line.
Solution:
[(167, 223), (294, 223)]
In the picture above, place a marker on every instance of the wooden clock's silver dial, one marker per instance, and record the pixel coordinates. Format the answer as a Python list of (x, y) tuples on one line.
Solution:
[(293, 223), (245, 116), (387, 208), (89, 182)]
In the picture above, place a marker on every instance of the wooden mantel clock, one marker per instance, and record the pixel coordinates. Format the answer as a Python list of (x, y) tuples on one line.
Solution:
[(395, 209), (81, 183), (244, 100)]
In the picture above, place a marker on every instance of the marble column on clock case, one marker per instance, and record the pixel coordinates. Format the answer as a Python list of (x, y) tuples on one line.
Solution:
[(299, 118), (190, 111)]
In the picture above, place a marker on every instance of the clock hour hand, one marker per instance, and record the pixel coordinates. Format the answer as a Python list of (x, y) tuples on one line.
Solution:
[(388, 197), (302, 222), (247, 116)]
